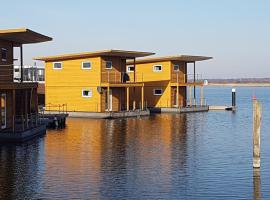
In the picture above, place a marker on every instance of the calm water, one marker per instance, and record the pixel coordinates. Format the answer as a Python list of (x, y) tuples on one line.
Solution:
[(168, 156)]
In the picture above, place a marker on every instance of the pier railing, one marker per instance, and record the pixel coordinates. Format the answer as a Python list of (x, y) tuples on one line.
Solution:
[(55, 108)]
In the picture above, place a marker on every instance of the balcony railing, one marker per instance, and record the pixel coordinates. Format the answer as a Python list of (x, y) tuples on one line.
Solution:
[(121, 77), (179, 77)]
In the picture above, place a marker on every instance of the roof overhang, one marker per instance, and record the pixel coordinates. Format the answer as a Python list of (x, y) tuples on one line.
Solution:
[(23, 36), (184, 58), (113, 53)]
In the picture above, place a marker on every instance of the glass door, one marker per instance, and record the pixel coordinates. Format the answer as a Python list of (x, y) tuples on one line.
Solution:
[(3, 111)]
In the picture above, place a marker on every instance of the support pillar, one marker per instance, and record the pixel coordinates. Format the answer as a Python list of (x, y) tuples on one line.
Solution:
[(190, 95), (21, 59), (202, 98), (127, 98), (194, 80), (142, 97), (0, 111), (257, 110), (26, 107), (108, 98)]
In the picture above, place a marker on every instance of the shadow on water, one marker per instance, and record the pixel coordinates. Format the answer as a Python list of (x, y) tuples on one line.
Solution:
[(20, 167)]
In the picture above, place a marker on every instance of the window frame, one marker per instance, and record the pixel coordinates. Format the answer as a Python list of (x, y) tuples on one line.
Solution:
[(154, 70), (106, 65), (154, 92), (87, 62), (90, 91), (128, 68), (4, 59), (58, 63)]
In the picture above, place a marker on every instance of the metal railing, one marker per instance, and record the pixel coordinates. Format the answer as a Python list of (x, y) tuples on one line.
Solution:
[(121, 77), (25, 122), (179, 77), (54, 108)]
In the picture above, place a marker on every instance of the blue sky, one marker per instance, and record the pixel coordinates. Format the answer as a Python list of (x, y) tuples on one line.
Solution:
[(235, 32)]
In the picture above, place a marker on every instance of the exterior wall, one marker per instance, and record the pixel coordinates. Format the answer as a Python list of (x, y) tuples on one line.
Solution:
[(114, 75), (150, 99), (182, 78), (144, 72), (181, 96), (64, 86), (6, 71)]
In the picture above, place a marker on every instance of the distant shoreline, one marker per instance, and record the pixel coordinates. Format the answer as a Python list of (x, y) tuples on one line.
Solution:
[(240, 84)]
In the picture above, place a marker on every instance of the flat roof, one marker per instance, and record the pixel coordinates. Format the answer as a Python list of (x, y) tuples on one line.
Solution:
[(184, 58), (23, 36), (116, 53)]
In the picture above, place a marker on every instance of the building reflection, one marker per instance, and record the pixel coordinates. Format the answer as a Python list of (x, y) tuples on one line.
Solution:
[(20, 170)]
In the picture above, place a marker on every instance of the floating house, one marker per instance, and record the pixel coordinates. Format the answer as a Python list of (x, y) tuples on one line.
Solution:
[(93, 82), (19, 103), (166, 80)]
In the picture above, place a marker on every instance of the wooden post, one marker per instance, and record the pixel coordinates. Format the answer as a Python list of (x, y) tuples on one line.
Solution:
[(21, 57), (177, 90), (202, 96), (257, 111), (108, 98), (0, 111), (127, 98), (190, 95), (194, 80), (142, 98)]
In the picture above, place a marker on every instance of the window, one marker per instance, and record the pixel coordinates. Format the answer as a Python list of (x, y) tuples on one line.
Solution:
[(86, 65), (158, 92), (108, 65), (130, 68), (4, 54), (157, 68), (176, 68), (57, 65), (87, 93)]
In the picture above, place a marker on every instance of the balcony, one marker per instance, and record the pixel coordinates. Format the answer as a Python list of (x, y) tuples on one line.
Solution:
[(30, 74), (121, 77), (179, 77)]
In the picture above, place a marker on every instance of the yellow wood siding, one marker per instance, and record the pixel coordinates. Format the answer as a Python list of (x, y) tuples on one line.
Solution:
[(64, 86)]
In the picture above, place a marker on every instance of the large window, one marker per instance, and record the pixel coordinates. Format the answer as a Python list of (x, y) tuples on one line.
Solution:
[(108, 65), (87, 93), (4, 54), (3, 111), (86, 65), (157, 68), (157, 92), (57, 65)]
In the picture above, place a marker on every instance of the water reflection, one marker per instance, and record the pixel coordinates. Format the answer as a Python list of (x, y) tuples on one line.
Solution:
[(256, 184), (161, 157), (20, 167)]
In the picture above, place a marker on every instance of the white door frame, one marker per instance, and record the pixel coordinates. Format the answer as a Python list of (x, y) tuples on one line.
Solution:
[(5, 107)]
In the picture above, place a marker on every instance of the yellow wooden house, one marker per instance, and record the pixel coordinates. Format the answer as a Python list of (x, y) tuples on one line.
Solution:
[(166, 81), (93, 81)]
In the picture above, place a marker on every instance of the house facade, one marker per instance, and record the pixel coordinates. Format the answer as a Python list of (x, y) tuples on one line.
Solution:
[(166, 81), (19, 103), (92, 81)]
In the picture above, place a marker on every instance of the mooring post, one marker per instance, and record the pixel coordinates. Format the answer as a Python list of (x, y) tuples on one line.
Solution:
[(233, 97), (257, 111)]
